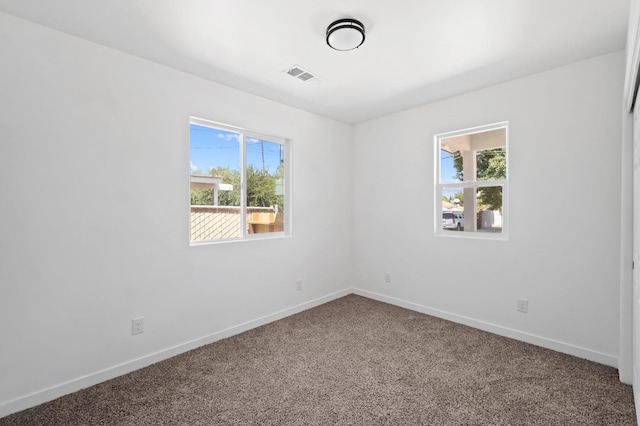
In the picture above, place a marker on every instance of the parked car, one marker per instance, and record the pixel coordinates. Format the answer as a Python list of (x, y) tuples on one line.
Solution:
[(453, 220)]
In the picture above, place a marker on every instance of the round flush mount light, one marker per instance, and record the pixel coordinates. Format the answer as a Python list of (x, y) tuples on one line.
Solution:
[(345, 34)]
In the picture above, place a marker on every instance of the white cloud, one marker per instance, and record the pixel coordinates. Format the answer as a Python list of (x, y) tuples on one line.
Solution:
[(229, 136)]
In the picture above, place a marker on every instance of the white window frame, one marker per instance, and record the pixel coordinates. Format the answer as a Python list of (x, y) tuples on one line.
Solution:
[(244, 134), (473, 183)]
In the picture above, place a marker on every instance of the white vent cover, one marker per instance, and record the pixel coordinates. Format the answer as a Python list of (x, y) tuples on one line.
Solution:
[(301, 74)]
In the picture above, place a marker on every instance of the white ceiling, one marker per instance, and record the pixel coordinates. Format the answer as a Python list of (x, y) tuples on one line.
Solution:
[(416, 51)]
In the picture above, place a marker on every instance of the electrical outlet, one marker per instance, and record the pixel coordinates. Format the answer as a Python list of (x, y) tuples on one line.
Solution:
[(523, 305), (299, 285), (387, 277), (137, 326)]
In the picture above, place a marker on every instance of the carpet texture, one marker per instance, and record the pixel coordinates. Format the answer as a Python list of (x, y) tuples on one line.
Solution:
[(353, 361)]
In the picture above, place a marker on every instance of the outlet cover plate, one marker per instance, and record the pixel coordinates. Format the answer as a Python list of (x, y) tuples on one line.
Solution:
[(137, 326), (523, 306)]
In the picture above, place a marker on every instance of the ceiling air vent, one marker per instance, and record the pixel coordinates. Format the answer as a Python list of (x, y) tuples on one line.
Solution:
[(301, 74)]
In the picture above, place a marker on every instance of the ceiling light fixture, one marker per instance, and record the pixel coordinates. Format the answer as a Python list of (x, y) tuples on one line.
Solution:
[(345, 34)]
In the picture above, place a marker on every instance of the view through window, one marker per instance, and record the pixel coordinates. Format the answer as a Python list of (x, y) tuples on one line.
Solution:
[(237, 183), (471, 181)]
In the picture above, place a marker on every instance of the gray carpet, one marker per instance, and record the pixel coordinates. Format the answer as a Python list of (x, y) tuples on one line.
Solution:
[(353, 361)]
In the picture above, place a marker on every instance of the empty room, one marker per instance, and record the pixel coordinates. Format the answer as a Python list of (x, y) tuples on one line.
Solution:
[(341, 212)]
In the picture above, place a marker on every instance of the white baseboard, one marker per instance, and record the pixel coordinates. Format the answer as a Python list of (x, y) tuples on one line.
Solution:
[(53, 392), (636, 392), (636, 399), (544, 342)]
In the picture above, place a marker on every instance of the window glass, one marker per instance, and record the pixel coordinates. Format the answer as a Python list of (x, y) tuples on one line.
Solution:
[(489, 206), (471, 181), (237, 183), (450, 166), (265, 186), (491, 164)]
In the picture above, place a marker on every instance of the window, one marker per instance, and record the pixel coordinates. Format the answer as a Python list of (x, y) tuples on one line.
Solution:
[(238, 182), (472, 182)]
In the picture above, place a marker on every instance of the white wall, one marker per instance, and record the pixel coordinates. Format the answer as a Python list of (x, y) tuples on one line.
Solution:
[(563, 250), (94, 231)]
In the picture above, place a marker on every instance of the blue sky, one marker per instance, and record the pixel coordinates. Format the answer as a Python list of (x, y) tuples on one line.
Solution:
[(447, 173), (215, 147)]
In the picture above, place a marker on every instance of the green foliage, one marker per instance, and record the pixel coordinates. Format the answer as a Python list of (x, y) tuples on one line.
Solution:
[(201, 197), (491, 165), (261, 188), (490, 198), (231, 177), (457, 164)]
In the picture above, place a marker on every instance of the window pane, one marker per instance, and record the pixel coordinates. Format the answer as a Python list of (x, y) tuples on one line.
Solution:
[(458, 215), (451, 167), (215, 183), (452, 198), (491, 164), (474, 156), (453, 209), (265, 186), (489, 206)]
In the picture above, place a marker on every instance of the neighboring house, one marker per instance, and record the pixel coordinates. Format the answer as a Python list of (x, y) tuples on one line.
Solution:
[(212, 183)]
